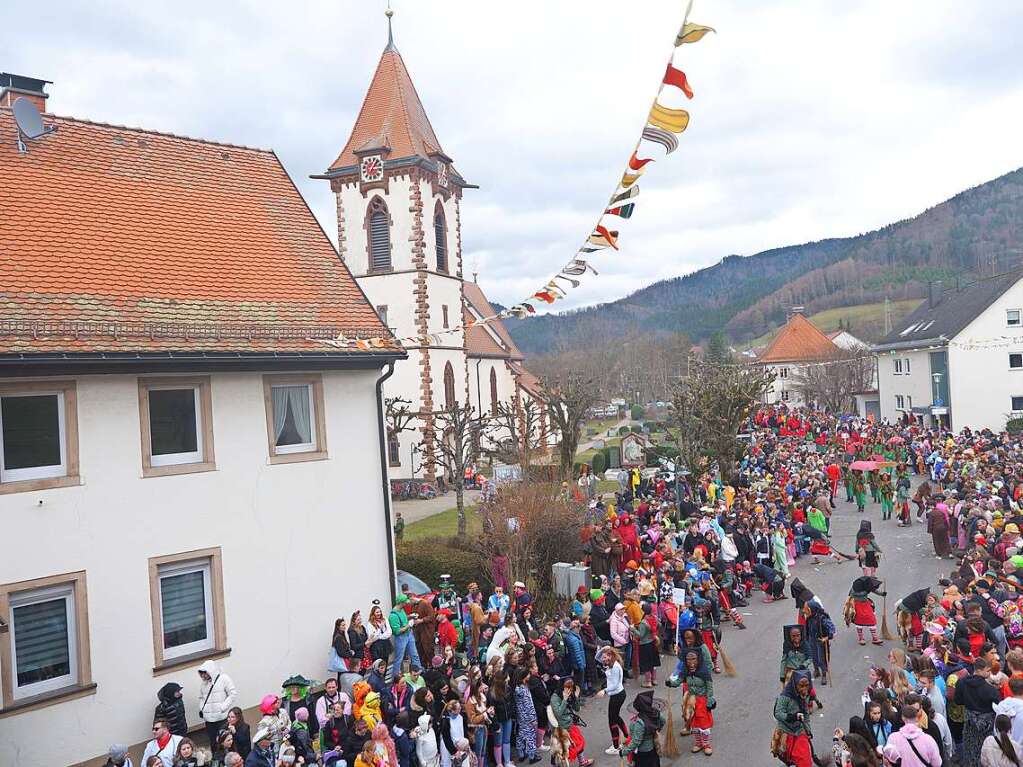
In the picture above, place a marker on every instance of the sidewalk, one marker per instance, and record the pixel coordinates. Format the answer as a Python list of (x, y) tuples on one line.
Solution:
[(415, 510)]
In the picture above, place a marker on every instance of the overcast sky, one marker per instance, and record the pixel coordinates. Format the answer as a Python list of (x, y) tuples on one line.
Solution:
[(811, 118)]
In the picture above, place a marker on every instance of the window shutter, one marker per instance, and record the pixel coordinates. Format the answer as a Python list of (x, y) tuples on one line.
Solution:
[(183, 600), (379, 241), (41, 643), (440, 232)]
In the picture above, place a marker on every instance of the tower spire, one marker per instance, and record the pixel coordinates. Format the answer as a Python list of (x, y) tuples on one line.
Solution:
[(390, 31)]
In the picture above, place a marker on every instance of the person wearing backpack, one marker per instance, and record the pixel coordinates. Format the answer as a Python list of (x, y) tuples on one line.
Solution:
[(910, 746)]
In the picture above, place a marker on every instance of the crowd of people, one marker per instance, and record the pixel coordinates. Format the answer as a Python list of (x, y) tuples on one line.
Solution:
[(470, 678)]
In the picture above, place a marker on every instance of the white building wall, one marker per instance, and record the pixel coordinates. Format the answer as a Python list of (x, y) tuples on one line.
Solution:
[(786, 378), (354, 206), (982, 385), (914, 387), (272, 522)]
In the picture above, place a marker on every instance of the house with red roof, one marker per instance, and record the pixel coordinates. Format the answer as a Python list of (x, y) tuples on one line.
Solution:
[(798, 344), (189, 459), (398, 198)]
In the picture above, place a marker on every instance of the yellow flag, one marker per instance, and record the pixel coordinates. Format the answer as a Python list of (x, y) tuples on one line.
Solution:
[(690, 33), (630, 178), (671, 120)]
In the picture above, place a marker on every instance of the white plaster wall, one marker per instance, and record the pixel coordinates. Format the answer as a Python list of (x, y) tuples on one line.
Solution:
[(917, 384), (981, 384), (396, 292), (405, 383), (397, 199), (302, 544), (785, 384)]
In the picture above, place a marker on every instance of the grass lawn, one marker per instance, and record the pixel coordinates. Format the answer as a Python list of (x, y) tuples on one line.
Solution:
[(443, 525), (607, 486)]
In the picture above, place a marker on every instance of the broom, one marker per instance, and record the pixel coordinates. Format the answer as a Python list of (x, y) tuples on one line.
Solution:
[(725, 660), (670, 747), (885, 632)]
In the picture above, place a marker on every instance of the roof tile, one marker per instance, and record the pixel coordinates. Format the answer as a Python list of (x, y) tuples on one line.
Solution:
[(798, 340)]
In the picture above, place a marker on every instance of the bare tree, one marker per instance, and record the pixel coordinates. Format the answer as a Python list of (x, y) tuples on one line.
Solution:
[(831, 385), (711, 406), (458, 428), (517, 432), (568, 398)]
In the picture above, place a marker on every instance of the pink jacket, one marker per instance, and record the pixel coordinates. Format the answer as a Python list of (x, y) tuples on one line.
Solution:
[(898, 747), (619, 623)]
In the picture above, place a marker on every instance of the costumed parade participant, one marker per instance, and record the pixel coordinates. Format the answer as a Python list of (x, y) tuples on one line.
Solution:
[(859, 609)]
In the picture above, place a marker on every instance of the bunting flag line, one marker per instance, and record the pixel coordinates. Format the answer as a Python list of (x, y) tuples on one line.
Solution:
[(660, 136), (662, 126)]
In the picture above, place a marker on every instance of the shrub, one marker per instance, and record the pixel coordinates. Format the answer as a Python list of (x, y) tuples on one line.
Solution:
[(545, 530), (637, 429), (623, 430), (430, 558), (1014, 425), (599, 462), (636, 412)]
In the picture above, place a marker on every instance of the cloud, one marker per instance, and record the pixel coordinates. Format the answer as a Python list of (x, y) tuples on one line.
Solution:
[(810, 119)]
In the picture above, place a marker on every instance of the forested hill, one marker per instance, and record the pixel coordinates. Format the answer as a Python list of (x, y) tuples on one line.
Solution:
[(976, 231)]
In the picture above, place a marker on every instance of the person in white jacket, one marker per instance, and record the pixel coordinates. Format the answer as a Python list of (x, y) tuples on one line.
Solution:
[(217, 695), (1013, 708)]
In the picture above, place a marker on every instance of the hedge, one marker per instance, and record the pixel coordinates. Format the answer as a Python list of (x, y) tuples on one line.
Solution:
[(1014, 425), (599, 462), (623, 430), (430, 558), (637, 429), (636, 412)]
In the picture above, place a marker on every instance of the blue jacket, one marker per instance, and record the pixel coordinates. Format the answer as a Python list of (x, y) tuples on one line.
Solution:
[(257, 758), (574, 645)]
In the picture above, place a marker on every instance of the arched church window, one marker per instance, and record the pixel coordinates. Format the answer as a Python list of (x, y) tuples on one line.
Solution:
[(440, 230), (378, 227)]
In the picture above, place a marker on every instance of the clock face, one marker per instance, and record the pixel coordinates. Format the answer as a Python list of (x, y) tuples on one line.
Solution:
[(372, 168), (442, 174)]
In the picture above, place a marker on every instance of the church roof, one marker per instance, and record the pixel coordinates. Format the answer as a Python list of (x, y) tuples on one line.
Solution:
[(799, 339), (478, 341), (119, 240), (392, 117), (479, 303)]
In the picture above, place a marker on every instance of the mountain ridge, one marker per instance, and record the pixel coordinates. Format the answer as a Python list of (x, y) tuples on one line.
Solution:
[(745, 296)]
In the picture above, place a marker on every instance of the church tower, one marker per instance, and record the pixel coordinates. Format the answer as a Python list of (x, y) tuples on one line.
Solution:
[(399, 232)]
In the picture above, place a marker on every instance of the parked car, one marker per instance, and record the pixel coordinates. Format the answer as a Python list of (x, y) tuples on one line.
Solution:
[(416, 586)]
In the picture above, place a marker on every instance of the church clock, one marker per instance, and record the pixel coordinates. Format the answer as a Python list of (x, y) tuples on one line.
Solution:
[(371, 168)]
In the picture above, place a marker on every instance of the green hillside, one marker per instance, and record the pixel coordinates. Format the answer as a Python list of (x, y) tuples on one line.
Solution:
[(864, 321)]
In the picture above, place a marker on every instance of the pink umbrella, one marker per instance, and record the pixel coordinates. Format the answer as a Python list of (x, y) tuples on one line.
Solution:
[(863, 465)]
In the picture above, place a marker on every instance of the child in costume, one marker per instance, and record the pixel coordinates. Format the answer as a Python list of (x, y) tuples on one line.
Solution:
[(859, 609), (867, 550)]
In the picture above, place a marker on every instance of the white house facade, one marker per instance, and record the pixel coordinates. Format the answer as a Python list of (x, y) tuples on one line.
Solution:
[(186, 462), (797, 344), (398, 199), (958, 359)]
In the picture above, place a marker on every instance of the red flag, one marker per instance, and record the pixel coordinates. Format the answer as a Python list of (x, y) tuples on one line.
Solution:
[(636, 163), (611, 237), (677, 78)]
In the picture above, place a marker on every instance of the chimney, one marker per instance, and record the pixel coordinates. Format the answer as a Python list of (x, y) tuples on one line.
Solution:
[(13, 87), (934, 294), (794, 310)]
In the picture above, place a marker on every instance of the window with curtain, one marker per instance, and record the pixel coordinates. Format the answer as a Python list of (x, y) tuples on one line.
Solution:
[(174, 429), (43, 638), (440, 231), (186, 608), (294, 429), (32, 430), (379, 231), (493, 391), (449, 386)]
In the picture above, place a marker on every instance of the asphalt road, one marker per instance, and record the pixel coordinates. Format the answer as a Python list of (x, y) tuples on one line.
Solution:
[(744, 717)]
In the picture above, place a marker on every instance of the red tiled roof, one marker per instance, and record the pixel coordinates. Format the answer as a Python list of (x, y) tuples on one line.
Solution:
[(799, 339), (478, 301), (119, 239), (392, 116), (478, 341), (527, 380)]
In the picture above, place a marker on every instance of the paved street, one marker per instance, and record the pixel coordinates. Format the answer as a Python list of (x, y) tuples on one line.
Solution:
[(743, 719)]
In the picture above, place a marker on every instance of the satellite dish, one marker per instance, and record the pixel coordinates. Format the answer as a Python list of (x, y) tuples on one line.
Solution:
[(29, 121)]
